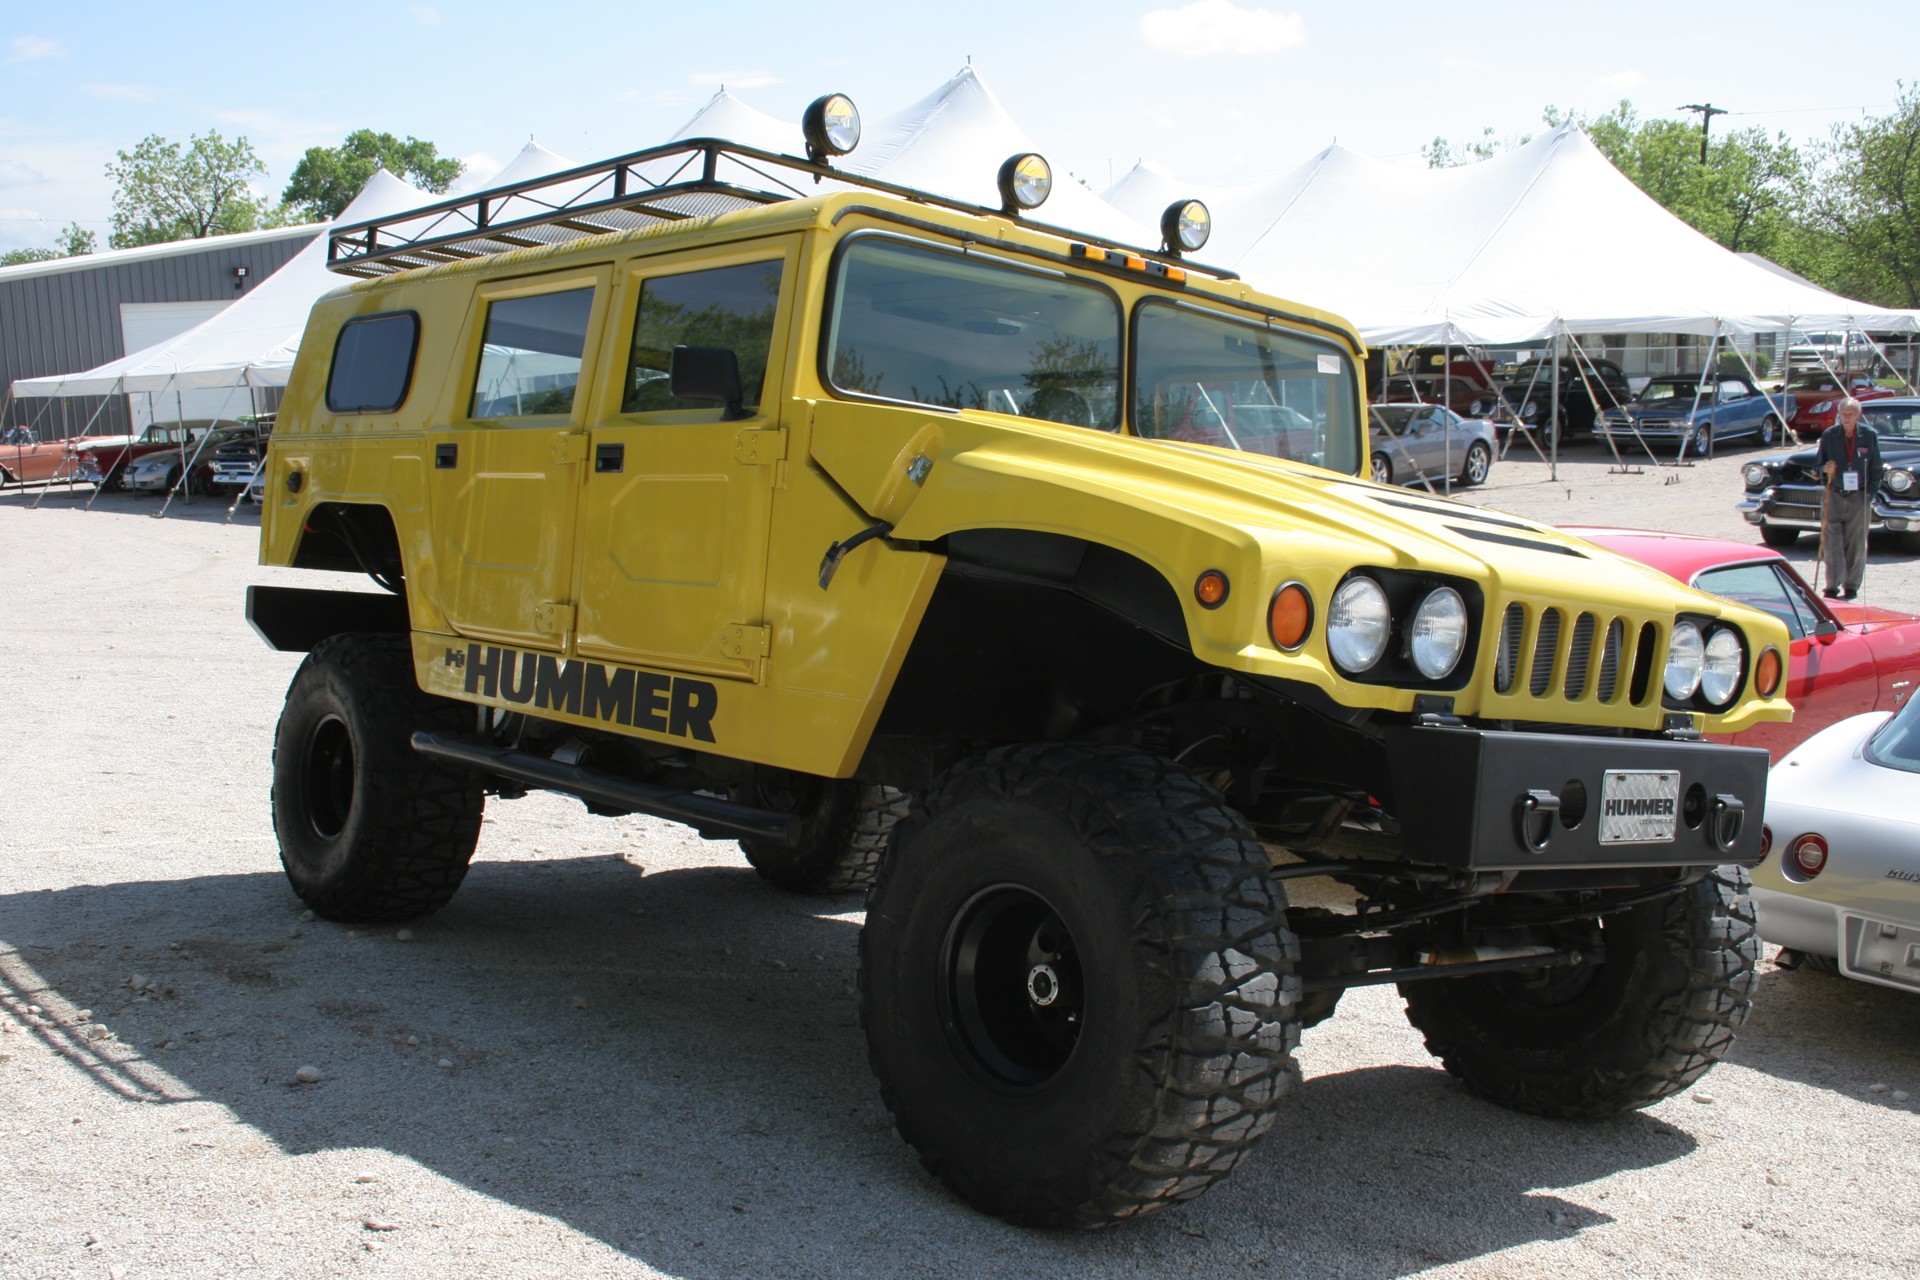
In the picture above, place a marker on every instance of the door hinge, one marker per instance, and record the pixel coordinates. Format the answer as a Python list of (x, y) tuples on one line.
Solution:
[(744, 642), (552, 619), (757, 445), (569, 447)]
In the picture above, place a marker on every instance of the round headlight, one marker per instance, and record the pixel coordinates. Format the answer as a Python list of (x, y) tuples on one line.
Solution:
[(1186, 224), (1479, 408), (1358, 623), (1529, 410), (1720, 671), (1754, 474), (1026, 181), (1900, 481), (1685, 654), (1439, 633), (831, 127)]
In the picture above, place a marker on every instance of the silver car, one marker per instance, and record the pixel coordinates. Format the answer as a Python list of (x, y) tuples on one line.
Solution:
[(1839, 882), (1429, 443)]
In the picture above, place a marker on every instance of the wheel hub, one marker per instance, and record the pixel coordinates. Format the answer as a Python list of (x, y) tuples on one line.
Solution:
[(1012, 982), (1043, 985)]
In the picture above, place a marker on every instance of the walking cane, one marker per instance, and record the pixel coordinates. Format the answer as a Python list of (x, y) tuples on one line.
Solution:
[(1820, 562)]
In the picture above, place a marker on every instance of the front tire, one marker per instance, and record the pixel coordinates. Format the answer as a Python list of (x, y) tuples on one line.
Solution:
[(1479, 463), (1677, 979), (1778, 536), (1382, 469), (1077, 984), (369, 829)]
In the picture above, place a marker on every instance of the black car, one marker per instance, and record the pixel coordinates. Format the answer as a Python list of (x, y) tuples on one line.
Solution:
[(1784, 493), (1587, 388)]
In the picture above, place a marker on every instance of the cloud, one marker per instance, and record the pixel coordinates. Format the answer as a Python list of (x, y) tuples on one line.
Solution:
[(120, 92), (31, 49), (1619, 81), (1208, 27), (426, 17), (15, 174), (732, 79)]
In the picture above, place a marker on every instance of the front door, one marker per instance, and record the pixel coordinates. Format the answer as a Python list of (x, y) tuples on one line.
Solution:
[(505, 467), (678, 498)]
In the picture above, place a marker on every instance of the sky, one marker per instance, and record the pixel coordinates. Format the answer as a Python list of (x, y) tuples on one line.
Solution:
[(1219, 91)]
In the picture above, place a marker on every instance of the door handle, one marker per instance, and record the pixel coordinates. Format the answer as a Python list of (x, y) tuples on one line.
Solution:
[(609, 458)]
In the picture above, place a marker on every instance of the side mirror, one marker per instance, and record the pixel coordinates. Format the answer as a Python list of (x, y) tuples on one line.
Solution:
[(1826, 629), (707, 373)]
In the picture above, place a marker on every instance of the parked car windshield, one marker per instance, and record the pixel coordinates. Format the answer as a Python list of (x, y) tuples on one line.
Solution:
[(1209, 379), (1671, 389), (1900, 419), (1897, 744)]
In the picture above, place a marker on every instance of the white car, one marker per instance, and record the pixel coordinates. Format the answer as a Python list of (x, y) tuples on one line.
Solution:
[(1840, 883)]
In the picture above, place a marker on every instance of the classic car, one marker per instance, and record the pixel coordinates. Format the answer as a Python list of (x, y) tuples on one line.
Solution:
[(25, 457), (112, 455), (1845, 657), (1698, 410), (1586, 388), (1838, 886), (160, 471), (1817, 398), (1783, 494), (1414, 443)]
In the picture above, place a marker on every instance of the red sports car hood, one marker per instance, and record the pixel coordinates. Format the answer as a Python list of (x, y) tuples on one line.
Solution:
[(1866, 617)]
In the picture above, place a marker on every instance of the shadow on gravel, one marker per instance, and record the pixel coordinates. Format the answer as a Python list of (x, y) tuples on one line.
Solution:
[(672, 1064), (1835, 1033), (201, 510)]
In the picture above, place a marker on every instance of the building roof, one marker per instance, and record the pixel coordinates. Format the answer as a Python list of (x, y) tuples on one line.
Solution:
[(149, 252)]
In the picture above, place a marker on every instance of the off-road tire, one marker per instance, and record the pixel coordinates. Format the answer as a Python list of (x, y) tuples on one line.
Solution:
[(1778, 536), (848, 824), (1646, 1024), (369, 829), (1479, 463), (1171, 964)]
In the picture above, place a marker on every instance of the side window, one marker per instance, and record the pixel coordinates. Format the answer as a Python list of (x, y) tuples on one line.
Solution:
[(373, 363), (1756, 585), (728, 307), (530, 356)]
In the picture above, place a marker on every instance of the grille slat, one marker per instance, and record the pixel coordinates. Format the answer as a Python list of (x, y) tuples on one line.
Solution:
[(1579, 657), (1546, 646), (1610, 660), (1506, 663)]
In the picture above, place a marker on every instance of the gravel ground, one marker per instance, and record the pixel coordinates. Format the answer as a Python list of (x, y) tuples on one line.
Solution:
[(618, 1053)]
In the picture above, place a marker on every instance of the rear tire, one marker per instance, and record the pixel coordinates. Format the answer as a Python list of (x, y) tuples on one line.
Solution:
[(1382, 469), (1644, 1025), (1077, 984), (1479, 463), (848, 825), (369, 829), (1777, 536), (1769, 431)]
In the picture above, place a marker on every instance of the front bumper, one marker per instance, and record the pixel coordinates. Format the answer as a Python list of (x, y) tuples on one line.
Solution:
[(1490, 800), (1797, 506)]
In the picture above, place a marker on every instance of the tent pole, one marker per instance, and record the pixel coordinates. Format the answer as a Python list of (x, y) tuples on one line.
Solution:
[(119, 387), (1446, 402), (72, 459), (1553, 404)]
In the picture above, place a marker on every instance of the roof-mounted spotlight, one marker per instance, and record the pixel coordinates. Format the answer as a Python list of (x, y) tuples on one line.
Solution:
[(831, 127), (1185, 226), (1026, 180)]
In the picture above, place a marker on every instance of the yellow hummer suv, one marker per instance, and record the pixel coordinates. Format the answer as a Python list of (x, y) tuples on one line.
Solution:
[(1024, 579)]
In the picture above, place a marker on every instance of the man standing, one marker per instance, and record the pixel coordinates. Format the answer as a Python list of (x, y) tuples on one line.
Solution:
[(1850, 459)]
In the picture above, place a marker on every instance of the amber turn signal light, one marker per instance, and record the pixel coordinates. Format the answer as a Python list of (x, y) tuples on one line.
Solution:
[(1290, 616), (1766, 673), (1210, 589)]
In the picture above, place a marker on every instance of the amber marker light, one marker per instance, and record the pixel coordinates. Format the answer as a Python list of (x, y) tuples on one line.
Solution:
[(1290, 616), (1210, 589), (1766, 673)]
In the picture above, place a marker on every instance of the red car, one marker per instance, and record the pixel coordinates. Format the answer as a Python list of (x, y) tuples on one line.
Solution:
[(1817, 397), (1846, 658)]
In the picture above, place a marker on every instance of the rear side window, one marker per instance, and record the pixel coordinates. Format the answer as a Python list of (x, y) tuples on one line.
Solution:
[(373, 363), (728, 307), (531, 353)]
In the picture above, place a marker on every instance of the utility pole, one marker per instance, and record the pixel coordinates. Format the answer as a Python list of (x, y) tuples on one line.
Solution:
[(1707, 112)]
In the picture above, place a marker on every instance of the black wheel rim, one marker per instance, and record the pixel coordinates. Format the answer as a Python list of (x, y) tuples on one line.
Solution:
[(1011, 975), (329, 777)]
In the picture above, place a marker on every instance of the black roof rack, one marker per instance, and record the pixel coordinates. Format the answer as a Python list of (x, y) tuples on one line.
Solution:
[(694, 178)]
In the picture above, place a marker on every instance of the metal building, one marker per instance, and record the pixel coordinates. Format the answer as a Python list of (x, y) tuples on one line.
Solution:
[(72, 314)]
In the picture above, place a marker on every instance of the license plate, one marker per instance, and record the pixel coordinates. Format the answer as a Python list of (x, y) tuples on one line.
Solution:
[(1638, 806), (1887, 951)]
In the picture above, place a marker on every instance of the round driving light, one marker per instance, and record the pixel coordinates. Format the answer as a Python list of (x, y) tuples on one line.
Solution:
[(1809, 855), (1900, 481), (1766, 673), (1685, 654), (1721, 667), (831, 127), (1358, 624), (1210, 589), (1439, 633), (1754, 474), (1026, 181), (1290, 616), (1185, 226)]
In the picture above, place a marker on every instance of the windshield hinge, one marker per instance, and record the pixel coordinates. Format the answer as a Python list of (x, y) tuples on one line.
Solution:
[(755, 446), (552, 618), (569, 448)]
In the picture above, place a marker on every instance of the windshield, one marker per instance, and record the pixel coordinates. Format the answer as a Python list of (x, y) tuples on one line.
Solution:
[(1208, 379), (930, 326), (1897, 744), (1900, 420), (1671, 389)]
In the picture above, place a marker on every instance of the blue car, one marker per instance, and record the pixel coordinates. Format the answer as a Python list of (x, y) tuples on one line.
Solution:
[(1699, 411)]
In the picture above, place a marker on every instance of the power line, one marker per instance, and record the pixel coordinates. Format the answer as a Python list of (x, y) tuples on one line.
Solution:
[(1707, 112)]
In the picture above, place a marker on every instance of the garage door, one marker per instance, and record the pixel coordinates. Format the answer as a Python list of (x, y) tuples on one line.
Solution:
[(142, 324)]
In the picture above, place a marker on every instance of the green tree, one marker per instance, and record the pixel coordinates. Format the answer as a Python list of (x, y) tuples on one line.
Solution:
[(164, 192), (328, 178), (1864, 207), (1442, 154), (72, 241)]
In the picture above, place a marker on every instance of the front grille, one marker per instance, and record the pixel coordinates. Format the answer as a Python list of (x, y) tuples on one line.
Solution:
[(1590, 654), (1506, 663), (1579, 657), (1545, 645)]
